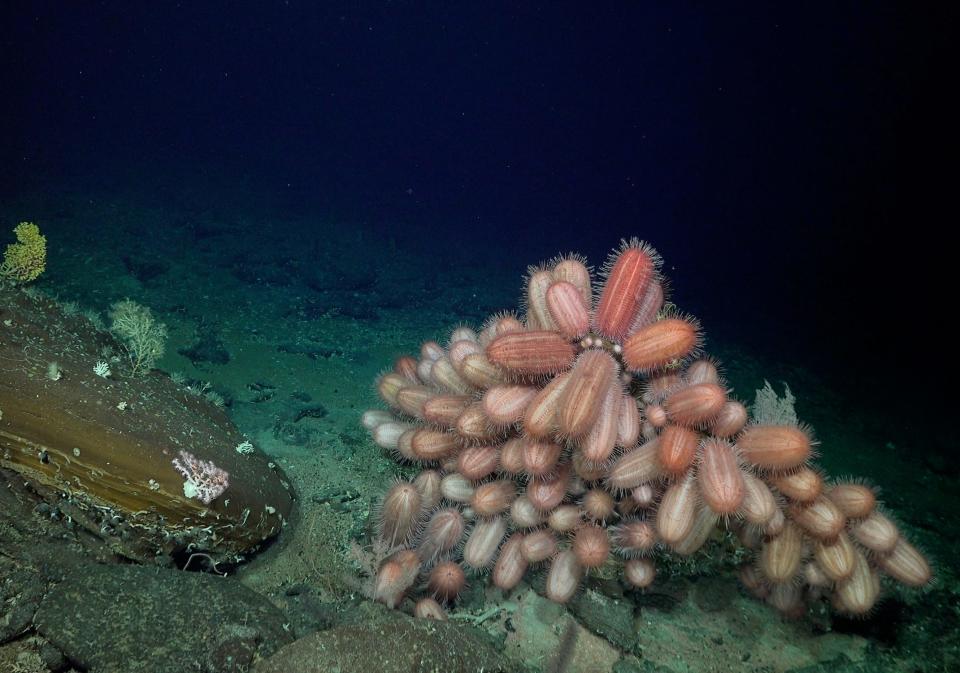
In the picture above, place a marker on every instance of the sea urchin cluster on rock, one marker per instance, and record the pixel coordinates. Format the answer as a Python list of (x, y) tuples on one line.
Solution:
[(592, 432)]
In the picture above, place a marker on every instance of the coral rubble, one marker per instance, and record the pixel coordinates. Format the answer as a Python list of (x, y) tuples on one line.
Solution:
[(591, 433)]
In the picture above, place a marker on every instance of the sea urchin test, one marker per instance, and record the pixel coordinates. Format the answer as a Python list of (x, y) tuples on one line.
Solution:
[(591, 431)]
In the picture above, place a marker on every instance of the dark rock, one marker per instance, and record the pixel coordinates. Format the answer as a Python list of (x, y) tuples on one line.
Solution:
[(260, 391), (609, 618), (714, 594), (885, 624), (663, 596), (133, 619), (313, 352), (208, 348), (317, 411), (294, 435), (20, 592), (307, 613), (144, 269), (51, 657), (335, 494)]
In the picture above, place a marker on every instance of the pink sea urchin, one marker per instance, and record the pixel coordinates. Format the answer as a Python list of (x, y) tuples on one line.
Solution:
[(588, 426)]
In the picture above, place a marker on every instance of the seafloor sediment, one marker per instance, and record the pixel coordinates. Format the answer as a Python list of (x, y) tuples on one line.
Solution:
[(290, 331)]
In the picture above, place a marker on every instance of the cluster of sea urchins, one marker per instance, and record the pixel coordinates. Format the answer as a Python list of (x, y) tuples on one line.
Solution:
[(589, 426)]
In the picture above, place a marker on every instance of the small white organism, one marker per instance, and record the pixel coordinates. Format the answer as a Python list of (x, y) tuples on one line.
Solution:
[(102, 369), (245, 447)]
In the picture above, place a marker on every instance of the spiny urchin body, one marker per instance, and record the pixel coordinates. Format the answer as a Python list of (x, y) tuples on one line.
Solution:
[(591, 432)]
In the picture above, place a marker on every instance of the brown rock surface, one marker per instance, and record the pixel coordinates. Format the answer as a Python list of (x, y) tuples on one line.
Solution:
[(104, 447)]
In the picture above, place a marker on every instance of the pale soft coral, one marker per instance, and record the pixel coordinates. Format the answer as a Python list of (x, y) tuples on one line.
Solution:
[(143, 336), (202, 479)]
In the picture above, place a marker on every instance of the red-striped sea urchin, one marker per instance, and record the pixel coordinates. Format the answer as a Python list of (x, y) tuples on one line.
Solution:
[(591, 430)]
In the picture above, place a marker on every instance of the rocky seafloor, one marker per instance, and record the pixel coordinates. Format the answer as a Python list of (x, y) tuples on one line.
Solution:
[(290, 333)]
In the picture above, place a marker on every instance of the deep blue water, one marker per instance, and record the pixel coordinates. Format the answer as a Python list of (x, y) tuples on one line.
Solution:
[(788, 160)]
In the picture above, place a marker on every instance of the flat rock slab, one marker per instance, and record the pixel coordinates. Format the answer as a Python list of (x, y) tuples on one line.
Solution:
[(134, 619), (401, 645)]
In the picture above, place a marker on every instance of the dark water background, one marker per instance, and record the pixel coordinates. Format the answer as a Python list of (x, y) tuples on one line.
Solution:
[(790, 161)]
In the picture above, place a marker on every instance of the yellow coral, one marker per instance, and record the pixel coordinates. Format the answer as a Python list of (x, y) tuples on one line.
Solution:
[(25, 260)]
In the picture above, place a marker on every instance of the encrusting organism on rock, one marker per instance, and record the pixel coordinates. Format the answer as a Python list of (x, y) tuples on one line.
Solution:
[(592, 431)]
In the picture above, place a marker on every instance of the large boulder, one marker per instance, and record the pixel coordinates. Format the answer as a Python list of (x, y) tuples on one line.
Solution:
[(135, 619), (385, 641), (140, 460)]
